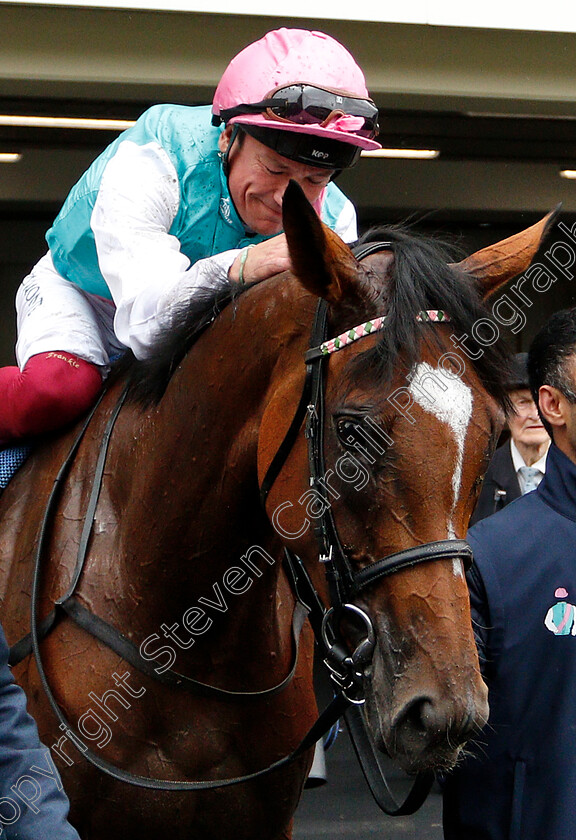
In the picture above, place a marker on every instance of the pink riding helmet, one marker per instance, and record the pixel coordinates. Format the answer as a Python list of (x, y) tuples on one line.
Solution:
[(295, 57)]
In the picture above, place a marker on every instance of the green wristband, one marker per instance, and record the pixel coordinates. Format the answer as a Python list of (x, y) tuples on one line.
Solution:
[(243, 259)]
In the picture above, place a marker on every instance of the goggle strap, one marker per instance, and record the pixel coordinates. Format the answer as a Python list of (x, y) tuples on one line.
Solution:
[(245, 108)]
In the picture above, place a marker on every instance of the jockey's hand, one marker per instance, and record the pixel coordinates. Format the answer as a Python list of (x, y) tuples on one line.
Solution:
[(261, 261)]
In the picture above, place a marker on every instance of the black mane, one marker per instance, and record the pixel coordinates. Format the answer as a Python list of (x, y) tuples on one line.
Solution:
[(422, 281)]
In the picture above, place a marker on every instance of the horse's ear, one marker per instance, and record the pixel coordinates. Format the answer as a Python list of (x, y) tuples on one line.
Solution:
[(321, 261), (496, 265)]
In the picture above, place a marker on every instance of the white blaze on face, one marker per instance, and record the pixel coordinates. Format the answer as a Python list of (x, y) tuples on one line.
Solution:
[(446, 397)]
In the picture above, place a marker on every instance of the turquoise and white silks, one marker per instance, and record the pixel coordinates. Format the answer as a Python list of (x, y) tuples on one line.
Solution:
[(151, 221)]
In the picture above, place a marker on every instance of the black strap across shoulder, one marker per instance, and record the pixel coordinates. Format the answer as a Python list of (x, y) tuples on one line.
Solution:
[(106, 633)]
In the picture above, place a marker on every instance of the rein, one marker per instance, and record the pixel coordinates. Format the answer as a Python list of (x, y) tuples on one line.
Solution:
[(108, 634), (347, 670)]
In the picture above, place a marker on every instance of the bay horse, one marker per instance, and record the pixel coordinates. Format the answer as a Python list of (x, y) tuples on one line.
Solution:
[(183, 560)]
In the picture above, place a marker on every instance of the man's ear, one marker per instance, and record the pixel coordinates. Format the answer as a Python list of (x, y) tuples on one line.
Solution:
[(551, 403), (224, 139)]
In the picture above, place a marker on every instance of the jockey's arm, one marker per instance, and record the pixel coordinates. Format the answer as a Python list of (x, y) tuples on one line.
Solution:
[(148, 275), (142, 263)]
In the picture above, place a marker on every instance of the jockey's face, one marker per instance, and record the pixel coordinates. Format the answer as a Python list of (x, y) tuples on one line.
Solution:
[(258, 177)]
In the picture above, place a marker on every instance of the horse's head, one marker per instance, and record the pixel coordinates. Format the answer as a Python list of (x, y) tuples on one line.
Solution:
[(410, 417)]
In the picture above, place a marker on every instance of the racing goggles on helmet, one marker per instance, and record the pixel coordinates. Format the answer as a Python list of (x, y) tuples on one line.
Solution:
[(304, 104)]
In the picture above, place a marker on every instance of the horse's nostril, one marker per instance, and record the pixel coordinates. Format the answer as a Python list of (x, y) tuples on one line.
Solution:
[(426, 718), (422, 715)]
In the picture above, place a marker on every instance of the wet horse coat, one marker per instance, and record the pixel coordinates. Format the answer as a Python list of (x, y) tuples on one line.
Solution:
[(184, 561)]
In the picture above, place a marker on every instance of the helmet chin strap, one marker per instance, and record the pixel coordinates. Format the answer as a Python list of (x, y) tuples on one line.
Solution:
[(225, 155)]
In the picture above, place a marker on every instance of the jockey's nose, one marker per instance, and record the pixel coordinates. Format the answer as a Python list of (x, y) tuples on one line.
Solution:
[(280, 190)]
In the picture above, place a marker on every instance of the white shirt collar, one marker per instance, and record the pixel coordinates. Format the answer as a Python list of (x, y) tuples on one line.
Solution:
[(518, 461)]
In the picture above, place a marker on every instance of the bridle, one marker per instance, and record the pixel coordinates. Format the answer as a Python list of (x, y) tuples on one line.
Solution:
[(347, 669), (344, 582)]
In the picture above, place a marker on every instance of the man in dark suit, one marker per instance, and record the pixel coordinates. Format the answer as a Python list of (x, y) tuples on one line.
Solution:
[(518, 465), (517, 780)]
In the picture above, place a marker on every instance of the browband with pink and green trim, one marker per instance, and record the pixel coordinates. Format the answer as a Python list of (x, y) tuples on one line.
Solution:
[(334, 344)]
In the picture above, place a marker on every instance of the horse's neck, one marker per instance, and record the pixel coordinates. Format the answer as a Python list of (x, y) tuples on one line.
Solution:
[(200, 483)]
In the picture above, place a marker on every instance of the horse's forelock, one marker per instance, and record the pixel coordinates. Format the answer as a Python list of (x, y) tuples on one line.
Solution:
[(423, 279)]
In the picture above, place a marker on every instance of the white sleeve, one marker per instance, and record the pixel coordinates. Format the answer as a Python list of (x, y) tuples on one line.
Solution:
[(347, 224), (144, 268)]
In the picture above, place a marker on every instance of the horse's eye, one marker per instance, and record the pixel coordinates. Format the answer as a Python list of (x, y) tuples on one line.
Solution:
[(363, 436), (350, 433)]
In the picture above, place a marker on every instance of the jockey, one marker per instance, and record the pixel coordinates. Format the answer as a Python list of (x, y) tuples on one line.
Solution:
[(186, 198)]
